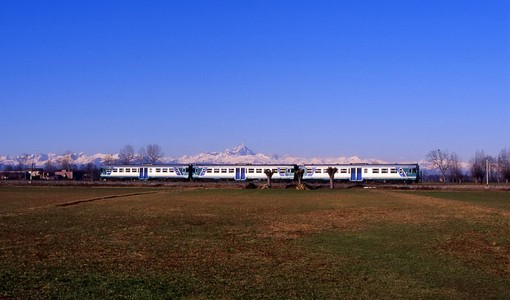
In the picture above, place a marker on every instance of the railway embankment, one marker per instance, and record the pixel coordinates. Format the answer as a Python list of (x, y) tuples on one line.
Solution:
[(260, 185)]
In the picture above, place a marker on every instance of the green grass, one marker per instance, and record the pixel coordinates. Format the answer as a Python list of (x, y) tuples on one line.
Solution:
[(483, 198), (17, 199), (252, 244)]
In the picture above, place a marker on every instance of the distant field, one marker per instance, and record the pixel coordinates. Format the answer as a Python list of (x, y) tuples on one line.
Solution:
[(97, 242)]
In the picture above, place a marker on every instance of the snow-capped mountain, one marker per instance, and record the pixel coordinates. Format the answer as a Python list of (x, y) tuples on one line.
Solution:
[(240, 150), (242, 154), (40, 159), (239, 154), (235, 155)]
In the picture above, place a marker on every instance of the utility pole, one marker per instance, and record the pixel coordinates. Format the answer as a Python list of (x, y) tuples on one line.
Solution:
[(31, 172), (487, 170)]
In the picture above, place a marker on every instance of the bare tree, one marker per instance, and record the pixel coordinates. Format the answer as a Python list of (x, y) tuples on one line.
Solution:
[(492, 163), (152, 154), (504, 164), (455, 171), (478, 166), (8, 167), (299, 175), (23, 161), (127, 155), (440, 160), (331, 172), (66, 161), (142, 154), (49, 166), (108, 159), (92, 171), (269, 173)]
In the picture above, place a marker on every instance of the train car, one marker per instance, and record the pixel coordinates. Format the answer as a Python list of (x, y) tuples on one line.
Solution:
[(241, 172), (319, 172), (363, 172), (145, 172)]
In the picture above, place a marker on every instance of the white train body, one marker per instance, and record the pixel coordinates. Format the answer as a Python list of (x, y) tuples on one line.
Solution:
[(144, 172), (363, 172), (241, 172)]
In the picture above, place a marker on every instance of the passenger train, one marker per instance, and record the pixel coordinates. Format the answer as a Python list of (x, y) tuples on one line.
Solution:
[(359, 172)]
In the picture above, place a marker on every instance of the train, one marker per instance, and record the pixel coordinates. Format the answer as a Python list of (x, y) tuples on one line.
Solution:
[(357, 172)]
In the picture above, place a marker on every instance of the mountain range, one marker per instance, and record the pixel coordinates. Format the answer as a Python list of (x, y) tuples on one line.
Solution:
[(242, 154), (235, 155)]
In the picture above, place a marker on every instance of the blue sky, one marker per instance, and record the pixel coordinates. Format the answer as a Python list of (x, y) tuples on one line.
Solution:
[(390, 80)]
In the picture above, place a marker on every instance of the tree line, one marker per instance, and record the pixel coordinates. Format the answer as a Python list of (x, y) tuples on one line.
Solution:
[(151, 154), (127, 155), (482, 167), (24, 162)]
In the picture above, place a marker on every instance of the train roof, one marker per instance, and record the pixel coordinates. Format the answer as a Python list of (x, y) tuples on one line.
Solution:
[(241, 165), (361, 164), (145, 165), (255, 165)]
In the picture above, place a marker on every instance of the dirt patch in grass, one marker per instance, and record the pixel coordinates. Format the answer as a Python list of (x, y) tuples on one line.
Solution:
[(408, 209), (350, 218), (75, 202)]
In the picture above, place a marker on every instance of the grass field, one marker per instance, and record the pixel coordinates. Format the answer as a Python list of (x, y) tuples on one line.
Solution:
[(92, 242)]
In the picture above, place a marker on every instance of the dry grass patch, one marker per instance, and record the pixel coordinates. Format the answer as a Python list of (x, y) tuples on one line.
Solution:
[(373, 208), (479, 251), (254, 244)]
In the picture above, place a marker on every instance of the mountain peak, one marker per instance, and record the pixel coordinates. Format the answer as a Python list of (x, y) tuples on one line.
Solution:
[(239, 150)]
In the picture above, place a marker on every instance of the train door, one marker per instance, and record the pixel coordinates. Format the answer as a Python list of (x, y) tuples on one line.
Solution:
[(356, 174), (240, 173), (144, 173)]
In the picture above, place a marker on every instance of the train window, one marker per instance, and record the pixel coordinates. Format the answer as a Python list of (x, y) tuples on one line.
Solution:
[(384, 170), (365, 170), (318, 171), (274, 171), (251, 170), (171, 170), (223, 170), (209, 170), (231, 171), (343, 171), (165, 170), (258, 170), (114, 170), (134, 170), (128, 170), (393, 170), (216, 170), (375, 171), (121, 170), (158, 170)]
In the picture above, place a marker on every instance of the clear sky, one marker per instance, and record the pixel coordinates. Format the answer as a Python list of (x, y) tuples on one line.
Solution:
[(390, 80)]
